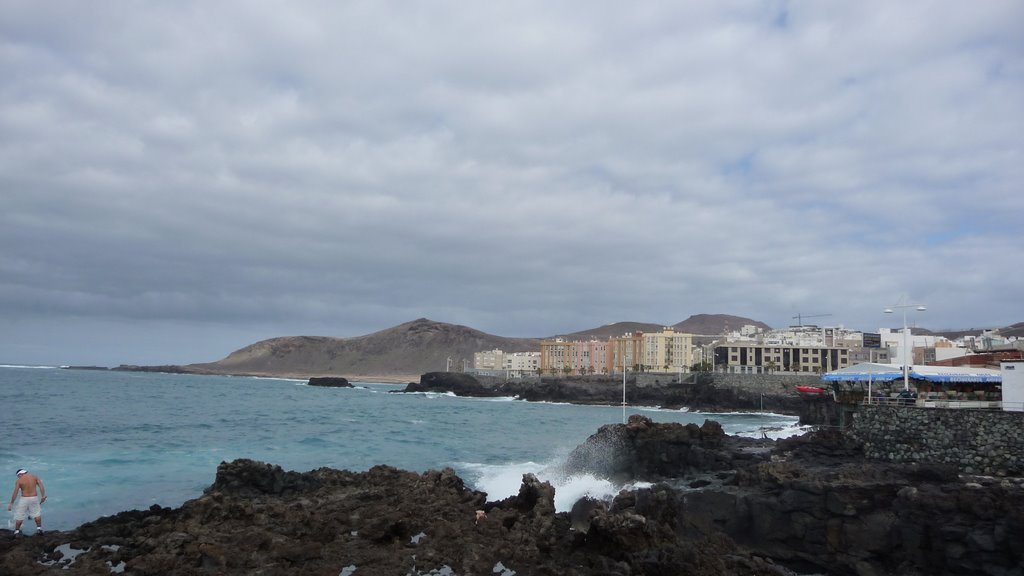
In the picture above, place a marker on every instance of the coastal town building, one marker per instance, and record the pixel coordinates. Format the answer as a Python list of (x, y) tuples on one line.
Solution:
[(625, 352), (498, 363), (560, 356), (796, 349), (489, 360), (902, 346), (753, 358), (665, 351), (519, 364)]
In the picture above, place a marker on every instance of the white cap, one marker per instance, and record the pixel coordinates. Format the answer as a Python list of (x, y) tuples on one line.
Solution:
[(22, 471)]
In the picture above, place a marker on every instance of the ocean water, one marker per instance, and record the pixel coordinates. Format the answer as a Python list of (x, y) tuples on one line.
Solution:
[(104, 442)]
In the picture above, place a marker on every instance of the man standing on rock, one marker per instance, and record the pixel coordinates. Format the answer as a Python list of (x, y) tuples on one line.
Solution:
[(31, 502)]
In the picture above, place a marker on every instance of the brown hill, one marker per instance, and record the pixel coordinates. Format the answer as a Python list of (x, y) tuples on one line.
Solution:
[(707, 324), (401, 353), (715, 324), (609, 330), (1013, 330)]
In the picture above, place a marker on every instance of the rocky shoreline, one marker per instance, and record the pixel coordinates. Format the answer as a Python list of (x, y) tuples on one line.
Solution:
[(718, 505), (700, 394)]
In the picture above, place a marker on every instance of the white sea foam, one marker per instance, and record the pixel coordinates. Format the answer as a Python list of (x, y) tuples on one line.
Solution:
[(436, 395), (33, 367), (272, 378), (775, 432), (503, 480), (497, 398)]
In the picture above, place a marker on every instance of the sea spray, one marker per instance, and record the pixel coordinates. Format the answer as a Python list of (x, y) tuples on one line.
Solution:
[(574, 475), (504, 480)]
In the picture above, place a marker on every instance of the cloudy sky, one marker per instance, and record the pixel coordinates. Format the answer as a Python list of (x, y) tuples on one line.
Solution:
[(181, 179)]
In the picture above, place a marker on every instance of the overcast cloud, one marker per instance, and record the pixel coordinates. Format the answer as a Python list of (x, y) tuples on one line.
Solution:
[(181, 179)]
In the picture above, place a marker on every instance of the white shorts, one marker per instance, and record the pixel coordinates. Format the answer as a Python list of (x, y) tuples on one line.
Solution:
[(27, 506)]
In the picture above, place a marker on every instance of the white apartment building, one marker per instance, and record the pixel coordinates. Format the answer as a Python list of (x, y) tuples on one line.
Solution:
[(519, 364), (489, 360), (901, 347), (810, 336)]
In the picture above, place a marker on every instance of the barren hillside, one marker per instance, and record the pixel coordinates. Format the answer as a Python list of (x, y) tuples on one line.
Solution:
[(403, 352)]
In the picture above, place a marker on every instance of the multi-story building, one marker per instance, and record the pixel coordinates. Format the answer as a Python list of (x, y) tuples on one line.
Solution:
[(580, 357), (555, 356), (489, 360), (518, 364), (902, 346), (667, 351), (750, 358), (591, 357), (625, 352)]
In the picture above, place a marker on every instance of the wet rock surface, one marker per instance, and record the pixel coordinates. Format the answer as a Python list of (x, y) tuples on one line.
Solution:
[(699, 394), (718, 505)]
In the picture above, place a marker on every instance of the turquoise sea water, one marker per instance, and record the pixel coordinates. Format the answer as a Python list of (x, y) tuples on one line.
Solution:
[(104, 442)]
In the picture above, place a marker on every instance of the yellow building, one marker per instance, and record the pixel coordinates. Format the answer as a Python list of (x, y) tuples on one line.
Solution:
[(625, 352), (667, 351)]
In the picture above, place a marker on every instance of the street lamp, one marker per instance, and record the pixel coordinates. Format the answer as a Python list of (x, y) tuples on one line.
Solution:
[(906, 350)]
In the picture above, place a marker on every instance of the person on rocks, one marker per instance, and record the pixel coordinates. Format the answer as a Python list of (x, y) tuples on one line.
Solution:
[(31, 501)]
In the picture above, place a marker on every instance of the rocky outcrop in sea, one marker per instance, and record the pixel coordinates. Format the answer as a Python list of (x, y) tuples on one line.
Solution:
[(699, 393), (716, 505), (329, 382)]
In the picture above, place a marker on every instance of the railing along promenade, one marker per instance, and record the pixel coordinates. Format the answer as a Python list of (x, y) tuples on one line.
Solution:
[(955, 404)]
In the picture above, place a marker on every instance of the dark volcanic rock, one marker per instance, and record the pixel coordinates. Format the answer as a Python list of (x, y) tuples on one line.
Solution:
[(643, 450), (166, 369), (723, 506), (699, 394), (258, 519), (330, 382), (455, 382)]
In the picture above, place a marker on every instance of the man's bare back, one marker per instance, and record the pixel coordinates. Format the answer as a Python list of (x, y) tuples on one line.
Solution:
[(27, 484)]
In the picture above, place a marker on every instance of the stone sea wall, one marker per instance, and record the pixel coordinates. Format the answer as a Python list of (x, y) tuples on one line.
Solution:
[(975, 441), (766, 383)]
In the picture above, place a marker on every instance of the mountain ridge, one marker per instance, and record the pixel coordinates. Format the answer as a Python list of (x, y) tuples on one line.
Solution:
[(399, 353), (403, 352)]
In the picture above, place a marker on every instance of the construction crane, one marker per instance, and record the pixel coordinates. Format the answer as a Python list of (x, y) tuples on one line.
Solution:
[(800, 317)]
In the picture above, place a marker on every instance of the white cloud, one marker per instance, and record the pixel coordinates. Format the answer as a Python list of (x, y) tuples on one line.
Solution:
[(525, 169)]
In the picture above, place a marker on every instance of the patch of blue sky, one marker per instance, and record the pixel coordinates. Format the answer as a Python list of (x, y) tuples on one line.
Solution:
[(742, 166), (781, 18), (950, 235)]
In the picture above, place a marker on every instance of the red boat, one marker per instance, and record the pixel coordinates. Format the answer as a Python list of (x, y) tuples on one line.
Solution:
[(810, 390)]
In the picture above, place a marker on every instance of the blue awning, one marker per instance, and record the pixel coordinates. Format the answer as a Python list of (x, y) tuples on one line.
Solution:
[(872, 372)]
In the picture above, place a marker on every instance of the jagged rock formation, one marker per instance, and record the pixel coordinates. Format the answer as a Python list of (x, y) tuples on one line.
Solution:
[(815, 504), (259, 519), (722, 505), (641, 450)]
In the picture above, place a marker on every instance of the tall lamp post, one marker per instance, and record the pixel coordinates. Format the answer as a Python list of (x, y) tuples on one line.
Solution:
[(907, 356)]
